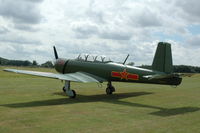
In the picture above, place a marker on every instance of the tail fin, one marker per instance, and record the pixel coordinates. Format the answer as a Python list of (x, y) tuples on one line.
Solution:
[(55, 52), (163, 58)]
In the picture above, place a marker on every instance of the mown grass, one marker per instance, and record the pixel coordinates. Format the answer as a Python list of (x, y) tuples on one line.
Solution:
[(37, 105)]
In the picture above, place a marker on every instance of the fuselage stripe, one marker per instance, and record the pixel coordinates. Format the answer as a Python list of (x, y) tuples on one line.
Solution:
[(65, 65), (127, 76)]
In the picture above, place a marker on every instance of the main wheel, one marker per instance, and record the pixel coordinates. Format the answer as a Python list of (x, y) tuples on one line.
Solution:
[(72, 94), (108, 91)]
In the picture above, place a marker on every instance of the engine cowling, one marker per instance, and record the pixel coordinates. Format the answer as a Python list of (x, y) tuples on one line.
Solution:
[(60, 65)]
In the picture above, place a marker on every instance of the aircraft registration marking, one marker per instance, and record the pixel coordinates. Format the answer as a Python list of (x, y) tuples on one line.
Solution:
[(125, 75)]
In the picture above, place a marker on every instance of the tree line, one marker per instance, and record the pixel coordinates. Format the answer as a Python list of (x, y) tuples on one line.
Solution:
[(49, 64), (180, 68), (6, 62)]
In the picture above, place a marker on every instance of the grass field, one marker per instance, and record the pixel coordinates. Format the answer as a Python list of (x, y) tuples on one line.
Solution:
[(31, 104)]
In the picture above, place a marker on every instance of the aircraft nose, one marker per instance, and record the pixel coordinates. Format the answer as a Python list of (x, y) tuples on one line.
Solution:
[(60, 64), (60, 61)]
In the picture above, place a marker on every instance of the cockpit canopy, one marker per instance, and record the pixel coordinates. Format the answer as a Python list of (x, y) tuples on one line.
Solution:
[(93, 58)]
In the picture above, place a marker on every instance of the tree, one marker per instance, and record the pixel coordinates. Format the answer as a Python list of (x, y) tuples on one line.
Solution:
[(26, 63), (35, 63), (130, 63), (47, 64)]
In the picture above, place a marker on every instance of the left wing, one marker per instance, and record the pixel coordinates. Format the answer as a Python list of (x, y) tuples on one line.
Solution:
[(76, 77)]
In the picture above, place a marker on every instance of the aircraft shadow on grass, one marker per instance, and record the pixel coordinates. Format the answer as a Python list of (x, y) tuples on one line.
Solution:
[(114, 99)]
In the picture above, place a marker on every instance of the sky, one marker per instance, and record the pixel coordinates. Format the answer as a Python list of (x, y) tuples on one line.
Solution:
[(113, 28)]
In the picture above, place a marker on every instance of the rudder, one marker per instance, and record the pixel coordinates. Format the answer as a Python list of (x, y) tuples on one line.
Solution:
[(163, 58)]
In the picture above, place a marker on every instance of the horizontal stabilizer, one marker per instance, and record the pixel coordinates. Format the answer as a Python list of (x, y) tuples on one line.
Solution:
[(164, 76), (158, 76), (186, 74)]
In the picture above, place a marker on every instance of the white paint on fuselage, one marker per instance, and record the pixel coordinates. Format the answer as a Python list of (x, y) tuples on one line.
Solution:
[(131, 67)]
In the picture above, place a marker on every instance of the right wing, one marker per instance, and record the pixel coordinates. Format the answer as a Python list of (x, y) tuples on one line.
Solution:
[(76, 77)]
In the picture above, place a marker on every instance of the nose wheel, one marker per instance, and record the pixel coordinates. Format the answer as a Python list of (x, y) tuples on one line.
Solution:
[(68, 91), (110, 89)]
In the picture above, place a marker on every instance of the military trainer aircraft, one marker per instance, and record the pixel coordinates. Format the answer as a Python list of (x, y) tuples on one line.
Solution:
[(99, 71)]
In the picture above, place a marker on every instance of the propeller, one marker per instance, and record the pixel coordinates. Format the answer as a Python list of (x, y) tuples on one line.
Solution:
[(55, 52), (126, 59)]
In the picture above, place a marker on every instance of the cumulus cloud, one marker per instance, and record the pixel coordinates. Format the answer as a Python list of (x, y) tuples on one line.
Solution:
[(113, 28), (84, 29), (87, 29), (190, 9), (3, 30), (25, 27), (21, 12), (18, 40), (114, 35), (194, 41)]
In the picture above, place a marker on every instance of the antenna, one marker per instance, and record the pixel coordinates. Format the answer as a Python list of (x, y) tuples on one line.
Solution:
[(86, 57), (102, 58), (126, 59), (79, 56), (94, 58)]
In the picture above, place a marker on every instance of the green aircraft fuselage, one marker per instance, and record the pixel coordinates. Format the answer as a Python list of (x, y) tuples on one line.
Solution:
[(113, 71)]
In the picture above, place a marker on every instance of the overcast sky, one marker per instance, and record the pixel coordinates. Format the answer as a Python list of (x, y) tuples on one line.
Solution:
[(114, 28)]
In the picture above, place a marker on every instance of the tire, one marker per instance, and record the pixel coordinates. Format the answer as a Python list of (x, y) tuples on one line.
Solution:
[(112, 89), (74, 94), (108, 91)]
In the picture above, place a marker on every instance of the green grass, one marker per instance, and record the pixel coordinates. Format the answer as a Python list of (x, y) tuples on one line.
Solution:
[(37, 105)]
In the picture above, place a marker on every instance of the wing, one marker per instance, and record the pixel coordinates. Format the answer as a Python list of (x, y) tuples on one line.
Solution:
[(76, 77)]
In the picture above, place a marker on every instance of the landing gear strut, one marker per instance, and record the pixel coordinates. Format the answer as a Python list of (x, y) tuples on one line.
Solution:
[(68, 91), (110, 89)]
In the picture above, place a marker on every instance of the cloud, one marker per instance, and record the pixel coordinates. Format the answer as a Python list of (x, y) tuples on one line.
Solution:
[(25, 27), (193, 41), (3, 30), (117, 33), (84, 29), (190, 9), (113, 28), (21, 12), (104, 32), (15, 39)]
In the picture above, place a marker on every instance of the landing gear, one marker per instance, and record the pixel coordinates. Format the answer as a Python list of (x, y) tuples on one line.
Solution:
[(110, 89), (68, 91)]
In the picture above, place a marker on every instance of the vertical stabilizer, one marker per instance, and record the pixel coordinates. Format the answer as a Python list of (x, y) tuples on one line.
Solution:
[(163, 58)]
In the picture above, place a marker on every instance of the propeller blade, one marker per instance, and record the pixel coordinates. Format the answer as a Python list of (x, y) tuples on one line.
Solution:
[(55, 52)]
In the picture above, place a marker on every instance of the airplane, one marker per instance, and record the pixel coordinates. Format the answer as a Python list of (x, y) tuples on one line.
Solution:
[(99, 71)]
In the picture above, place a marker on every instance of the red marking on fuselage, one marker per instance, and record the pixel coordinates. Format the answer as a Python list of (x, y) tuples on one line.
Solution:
[(61, 62), (133, 77), (125, 75), (116, 74)]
